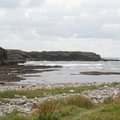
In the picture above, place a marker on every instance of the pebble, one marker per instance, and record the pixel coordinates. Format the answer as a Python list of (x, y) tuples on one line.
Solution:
[(71, 91), (28, 105)]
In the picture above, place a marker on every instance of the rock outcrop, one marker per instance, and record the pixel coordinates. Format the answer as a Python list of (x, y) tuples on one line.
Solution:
[(53, 56), (5, 60), (99, 73), (3, 56)]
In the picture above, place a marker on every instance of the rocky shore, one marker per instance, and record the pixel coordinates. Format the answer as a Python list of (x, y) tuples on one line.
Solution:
[(28, 105), (14, 73)]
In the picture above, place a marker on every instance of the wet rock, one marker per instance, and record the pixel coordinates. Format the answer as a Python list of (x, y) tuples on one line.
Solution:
[(99, 73)]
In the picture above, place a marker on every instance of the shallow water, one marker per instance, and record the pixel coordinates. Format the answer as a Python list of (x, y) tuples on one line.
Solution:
[(70, 72)]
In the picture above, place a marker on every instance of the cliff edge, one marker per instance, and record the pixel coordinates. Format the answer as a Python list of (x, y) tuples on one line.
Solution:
[(53, 56)]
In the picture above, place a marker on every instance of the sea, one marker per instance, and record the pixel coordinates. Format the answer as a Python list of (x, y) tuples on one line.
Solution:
[(70, 72)]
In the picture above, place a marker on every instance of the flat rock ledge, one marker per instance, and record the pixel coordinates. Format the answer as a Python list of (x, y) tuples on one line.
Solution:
[(99, 73), (27, 105)]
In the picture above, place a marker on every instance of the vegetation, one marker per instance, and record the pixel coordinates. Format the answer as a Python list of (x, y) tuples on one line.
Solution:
[(3, 100), (73, 108), (40, 92), (110, 111), (15, 51), (58, 109), (54, 55), (70, 108), (15, 115)]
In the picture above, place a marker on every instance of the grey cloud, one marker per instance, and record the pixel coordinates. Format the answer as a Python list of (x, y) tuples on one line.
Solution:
[(34, 3), (30, 21), (20, 3), (9, 3), (53, 23)]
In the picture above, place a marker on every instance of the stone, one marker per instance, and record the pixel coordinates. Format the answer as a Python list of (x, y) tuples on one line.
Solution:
[(71, 91), (24, 97), (28, 105), (35, 98), (27, 110), (105, 86), (34, 104), (48, 87), (17, 96)]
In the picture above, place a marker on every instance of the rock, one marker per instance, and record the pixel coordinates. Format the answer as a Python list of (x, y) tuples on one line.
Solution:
[(105, 86), (24, 97), (17, 96), (1, 113), (99, 97), (115, 92), (99, 73), (21, 102), (45, 94), (71, 91), (3, 56), (53, 56), (2, 83), (48, 87), (34, 104), (27, 110), (28, 105), (35, 98), (0, 103)]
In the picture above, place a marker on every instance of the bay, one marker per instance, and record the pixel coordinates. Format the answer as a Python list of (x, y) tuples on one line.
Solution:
[(70, 72)]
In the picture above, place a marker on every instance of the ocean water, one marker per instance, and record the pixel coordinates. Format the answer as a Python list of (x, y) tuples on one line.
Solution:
[(70, 72)]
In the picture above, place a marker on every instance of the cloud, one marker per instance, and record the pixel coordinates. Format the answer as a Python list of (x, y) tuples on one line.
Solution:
[(101, 4), (31, 3), (9, 3), (68, 24)]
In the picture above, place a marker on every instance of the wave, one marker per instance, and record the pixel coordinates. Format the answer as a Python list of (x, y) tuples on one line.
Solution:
[(64, 63)]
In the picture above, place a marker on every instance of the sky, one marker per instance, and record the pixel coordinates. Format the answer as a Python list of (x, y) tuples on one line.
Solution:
[(61, 25)]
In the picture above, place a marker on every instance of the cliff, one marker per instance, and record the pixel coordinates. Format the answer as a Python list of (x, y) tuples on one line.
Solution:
[(53, 56), (3, 56)]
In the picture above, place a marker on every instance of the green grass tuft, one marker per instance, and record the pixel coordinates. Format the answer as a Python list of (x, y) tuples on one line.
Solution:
[(15, 115)]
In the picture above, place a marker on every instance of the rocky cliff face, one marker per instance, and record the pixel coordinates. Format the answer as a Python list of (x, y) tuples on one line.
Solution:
[(66, 56), (53, 56), (3, 56)]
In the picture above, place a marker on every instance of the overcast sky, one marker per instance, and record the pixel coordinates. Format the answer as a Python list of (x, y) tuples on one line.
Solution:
[(67, 25)]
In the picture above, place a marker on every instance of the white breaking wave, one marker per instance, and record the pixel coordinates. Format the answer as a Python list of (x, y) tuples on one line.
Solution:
[(63, 63)]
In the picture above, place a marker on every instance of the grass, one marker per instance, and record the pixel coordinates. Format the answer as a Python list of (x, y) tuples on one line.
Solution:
[(57, 109), (110, 111), (3, 100), (71, 108), (53, 109), (40, 92), (15, 115)]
